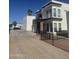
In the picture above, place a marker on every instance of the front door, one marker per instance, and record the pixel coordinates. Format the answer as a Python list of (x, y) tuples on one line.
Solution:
[(38, 27)]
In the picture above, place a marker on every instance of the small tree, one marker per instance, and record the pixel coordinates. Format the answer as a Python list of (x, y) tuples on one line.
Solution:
[(14, 23), (29, 12)]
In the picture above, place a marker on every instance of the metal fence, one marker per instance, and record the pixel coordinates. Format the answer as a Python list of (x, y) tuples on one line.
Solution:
[(55, 40), (47, 36)]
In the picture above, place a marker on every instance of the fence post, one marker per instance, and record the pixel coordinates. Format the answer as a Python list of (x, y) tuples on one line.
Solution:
[(57, 35), (41, 36), (52, 39)]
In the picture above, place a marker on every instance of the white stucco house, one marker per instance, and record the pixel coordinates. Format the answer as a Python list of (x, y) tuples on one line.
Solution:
[(28, 22), (52, 17)]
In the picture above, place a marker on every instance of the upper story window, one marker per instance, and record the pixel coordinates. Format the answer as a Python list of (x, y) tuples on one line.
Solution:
[(59, 13), (48, 13), (54, 12)]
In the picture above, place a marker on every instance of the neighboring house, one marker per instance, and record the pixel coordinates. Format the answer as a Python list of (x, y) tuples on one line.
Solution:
[(18, 26), (52, 17), (28, 22)]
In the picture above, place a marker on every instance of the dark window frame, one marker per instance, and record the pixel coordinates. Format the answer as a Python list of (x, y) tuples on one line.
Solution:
[(54, 12), (55, 27), (59, 24), (59, 12)]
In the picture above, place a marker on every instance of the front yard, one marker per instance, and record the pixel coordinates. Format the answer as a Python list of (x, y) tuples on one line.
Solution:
[(60, 43)]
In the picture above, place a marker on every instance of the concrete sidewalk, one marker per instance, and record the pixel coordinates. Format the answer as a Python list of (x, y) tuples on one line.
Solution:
[(24, 46)]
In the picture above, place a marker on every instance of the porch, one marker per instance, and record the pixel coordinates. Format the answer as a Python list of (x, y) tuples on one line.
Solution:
[(47, 25), (52, 33)]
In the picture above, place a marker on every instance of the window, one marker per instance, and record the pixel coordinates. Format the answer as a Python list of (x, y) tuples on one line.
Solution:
[(46, 14), (47, 27), (55, 27), (50, 13), (59, 26), (43, 26), (59, 12), (54, 12), (51, 27)]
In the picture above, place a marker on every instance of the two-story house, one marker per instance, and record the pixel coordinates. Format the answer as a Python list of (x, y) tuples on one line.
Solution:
[(52, 17)]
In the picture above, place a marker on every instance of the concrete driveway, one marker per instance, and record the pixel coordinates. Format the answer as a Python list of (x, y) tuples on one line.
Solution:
[(24, 45)]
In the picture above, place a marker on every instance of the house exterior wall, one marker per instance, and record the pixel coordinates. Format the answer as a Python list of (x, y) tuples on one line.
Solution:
[(64, 8), (28, 23), (24, 23)]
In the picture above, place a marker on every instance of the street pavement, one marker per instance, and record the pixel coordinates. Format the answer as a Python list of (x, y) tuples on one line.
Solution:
[(25, 45)]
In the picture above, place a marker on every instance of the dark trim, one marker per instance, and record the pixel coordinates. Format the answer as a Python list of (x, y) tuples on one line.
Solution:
[(54, 19), (38, 11), (50, 3)]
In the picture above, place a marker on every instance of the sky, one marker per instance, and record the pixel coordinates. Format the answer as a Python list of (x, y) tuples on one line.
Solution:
[(18, 8)]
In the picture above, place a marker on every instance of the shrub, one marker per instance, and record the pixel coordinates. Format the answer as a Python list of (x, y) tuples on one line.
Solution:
[(16, 28), (63, 33)]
